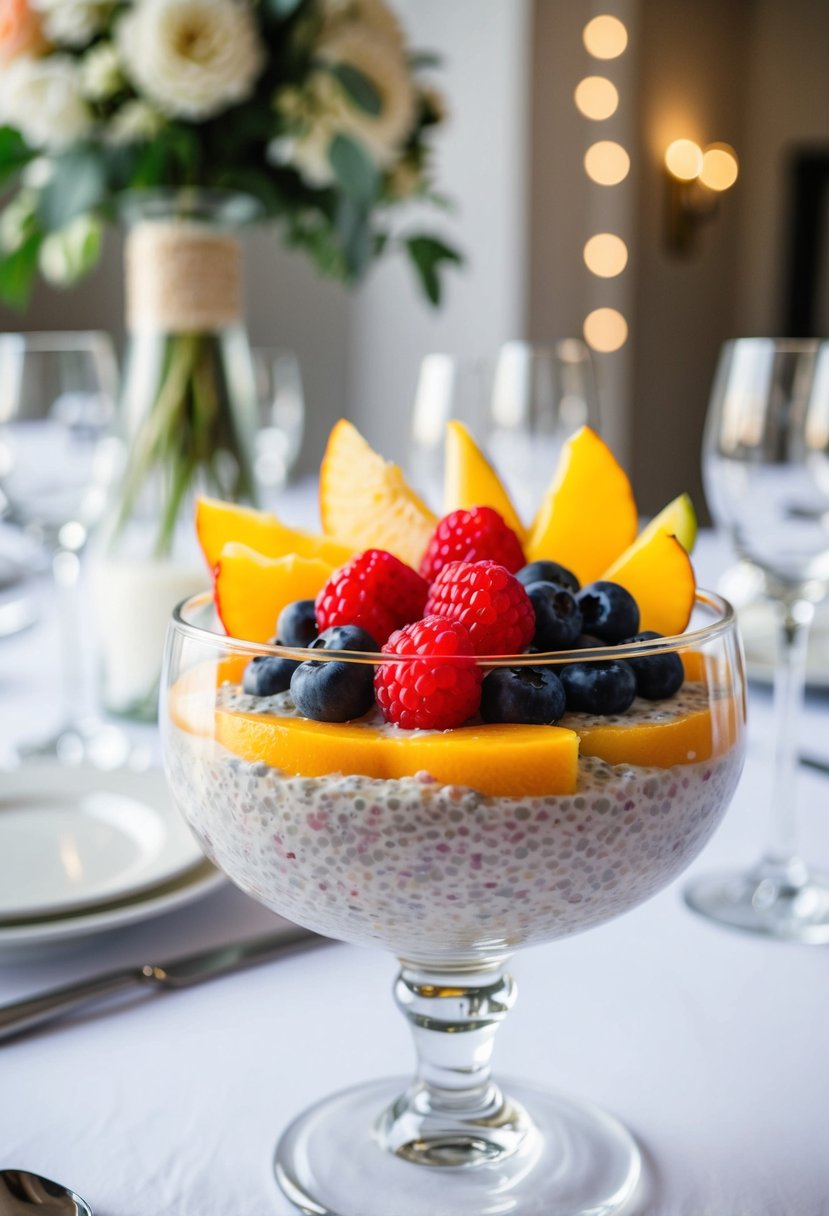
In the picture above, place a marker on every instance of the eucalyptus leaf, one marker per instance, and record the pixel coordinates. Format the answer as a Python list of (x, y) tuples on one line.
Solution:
[(14, 153), (360, 88), (355, 170), (427, 253), (354, 231), (78, 184), (281, 9), (18, 271)]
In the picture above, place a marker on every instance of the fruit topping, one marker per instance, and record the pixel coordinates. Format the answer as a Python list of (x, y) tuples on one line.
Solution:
[(534, 695), (436, 692), (599, 688), (558, 618), (251, 590), (608, 611), (678, 519), (660, 577), (332, 691), (488, 601), (588, 515), (471, 481), (297, 624), (218, 523), (365, 501), (267, 675), (548, 572), (658, 676), (375, 590), (475, 535)]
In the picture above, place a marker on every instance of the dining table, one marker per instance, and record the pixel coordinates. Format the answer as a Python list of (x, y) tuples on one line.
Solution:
[(711, 1046)]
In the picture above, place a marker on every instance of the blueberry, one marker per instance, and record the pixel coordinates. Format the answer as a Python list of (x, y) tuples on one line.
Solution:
[(548, 572), (557, 616), (297, 624), (609, 611), (522, 694), (599, 688), (345, 637), (658, 676), (267, 674)]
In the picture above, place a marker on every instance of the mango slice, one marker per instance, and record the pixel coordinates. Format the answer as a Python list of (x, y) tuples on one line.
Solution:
[(660, 577), (218, 523), (679, 519), (366, 503), (251, 590), (588, 515), (686, 739), (471, 481)]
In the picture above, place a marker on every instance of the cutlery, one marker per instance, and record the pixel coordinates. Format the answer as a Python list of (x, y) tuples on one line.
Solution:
[(25, 1015), (21, 1190)]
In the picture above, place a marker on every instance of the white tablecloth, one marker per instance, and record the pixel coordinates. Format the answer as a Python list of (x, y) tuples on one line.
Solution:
[(712, 1047)]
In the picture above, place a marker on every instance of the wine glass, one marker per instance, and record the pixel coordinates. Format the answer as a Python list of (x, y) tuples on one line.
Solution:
[(451, 850), (448, 386), (57, 460), (281, 415), (766, 473)]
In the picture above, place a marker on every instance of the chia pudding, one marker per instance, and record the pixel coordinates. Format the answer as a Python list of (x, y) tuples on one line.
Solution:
[(442, 874)]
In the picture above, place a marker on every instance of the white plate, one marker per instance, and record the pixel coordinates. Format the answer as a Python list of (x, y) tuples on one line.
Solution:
[(72, 839), (37, 936)]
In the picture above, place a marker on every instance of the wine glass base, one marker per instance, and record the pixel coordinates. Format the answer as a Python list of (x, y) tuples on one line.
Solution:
[(765, 903), (98, 745), (575, 1161)]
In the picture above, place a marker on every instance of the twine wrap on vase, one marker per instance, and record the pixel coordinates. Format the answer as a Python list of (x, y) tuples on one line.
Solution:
[(182, 277)]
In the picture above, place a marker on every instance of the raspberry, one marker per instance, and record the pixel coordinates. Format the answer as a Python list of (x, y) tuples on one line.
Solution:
[(476, 535), (374, 590), (436, 692), (485, 598)]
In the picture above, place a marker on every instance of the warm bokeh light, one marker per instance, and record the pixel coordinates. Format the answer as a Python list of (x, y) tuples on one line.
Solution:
[(606, 162), (605, 330), (606, 255), (605, 37), (597, 97), (719, 167), (683, 159)]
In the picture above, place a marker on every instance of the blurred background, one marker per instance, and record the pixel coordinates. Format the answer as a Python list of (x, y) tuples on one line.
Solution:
[(750, 74)]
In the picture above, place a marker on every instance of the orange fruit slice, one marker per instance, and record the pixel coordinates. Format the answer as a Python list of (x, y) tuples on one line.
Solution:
[(218, 523), (679, 519), (659, 575), (689, 738), (251, 590), (471, 481), (588, 515), (365, 501)]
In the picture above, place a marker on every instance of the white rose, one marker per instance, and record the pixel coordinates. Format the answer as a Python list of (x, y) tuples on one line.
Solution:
[(100, 70), (192, 58), (135, 122), (42, 99), (70, 22)]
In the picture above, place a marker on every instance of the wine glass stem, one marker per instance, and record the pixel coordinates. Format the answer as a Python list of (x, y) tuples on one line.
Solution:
[(66, 569), (795, 617)]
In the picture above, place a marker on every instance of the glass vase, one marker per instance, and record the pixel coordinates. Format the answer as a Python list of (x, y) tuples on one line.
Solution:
[(188, 418)]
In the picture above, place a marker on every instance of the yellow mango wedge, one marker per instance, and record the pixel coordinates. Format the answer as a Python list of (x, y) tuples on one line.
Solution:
[(365, 501), (678, 519), (251, 590), (588, 515), (471, 481), (219, 523), (659, 575)]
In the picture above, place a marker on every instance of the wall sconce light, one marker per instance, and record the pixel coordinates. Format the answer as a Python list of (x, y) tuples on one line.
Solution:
[(695, 177)]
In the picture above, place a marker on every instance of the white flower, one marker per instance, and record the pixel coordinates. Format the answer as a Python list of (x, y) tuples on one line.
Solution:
[(68, 254), (101, 74), (135, 122), (192, 58), (71, 22), (16, 220), (42, 98)]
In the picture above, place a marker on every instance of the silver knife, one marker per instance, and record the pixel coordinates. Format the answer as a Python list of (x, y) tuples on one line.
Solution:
[(22, 1016)]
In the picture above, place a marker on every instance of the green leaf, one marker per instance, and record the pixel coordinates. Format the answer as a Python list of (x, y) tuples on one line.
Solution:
[(359, 87), (354, 232), (14, 153), (78, 184), (419, 60), (282, 9), (427, 253), (355, 170), (18, 271)]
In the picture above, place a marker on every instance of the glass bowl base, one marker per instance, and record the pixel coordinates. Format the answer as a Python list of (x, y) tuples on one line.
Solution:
[(575, 1161), (772, 904)]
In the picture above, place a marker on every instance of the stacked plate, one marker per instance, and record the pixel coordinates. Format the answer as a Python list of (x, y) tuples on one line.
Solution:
[(83, 851)]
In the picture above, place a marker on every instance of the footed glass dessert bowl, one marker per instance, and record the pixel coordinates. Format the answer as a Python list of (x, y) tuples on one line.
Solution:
[(452, 849)]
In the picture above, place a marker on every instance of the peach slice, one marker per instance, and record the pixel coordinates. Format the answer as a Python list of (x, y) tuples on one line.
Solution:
[(588, 515), (471, 481), (218, 523), (365, 501), (251, 590), (660, 577)]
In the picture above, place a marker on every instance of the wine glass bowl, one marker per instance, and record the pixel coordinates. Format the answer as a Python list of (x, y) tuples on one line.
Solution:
[(517, 841)]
